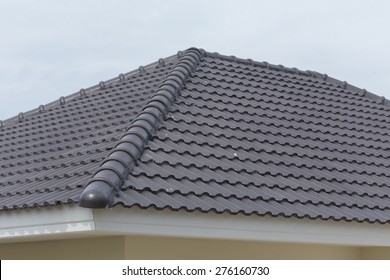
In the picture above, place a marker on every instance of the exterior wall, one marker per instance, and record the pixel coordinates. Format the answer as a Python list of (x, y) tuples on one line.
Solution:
[(85, 248), (189, 248), (375, 253), (143, 247)]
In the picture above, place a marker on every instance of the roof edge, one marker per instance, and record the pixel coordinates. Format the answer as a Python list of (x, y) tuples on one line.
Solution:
[(308, 73), (82, 93), (137, 221), (57, 222), (109, 177)]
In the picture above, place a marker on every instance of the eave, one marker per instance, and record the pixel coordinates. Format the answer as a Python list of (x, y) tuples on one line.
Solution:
[(69, 221), (45, 223)]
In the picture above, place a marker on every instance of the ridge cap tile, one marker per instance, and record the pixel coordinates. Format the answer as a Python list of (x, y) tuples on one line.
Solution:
[(108, 180)]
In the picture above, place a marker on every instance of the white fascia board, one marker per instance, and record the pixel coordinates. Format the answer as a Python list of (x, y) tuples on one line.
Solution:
[(72, 221), (137, 221), (44, 223)]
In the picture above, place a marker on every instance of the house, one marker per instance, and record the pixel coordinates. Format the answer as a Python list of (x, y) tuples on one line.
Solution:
[(199, 156)]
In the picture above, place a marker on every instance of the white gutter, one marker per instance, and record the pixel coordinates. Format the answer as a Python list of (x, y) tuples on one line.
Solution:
[(72, 221), (44, 223), (239, 227)]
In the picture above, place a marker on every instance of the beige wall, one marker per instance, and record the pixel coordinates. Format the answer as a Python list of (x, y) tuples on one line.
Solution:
[(138, 247), (142, 247), (375, 253), (91, 248), (183, 248)]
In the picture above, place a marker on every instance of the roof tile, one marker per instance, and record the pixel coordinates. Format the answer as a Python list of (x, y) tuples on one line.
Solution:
[(207, 132)]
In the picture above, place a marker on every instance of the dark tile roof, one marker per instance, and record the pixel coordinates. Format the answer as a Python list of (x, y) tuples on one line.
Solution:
[(203, 131)]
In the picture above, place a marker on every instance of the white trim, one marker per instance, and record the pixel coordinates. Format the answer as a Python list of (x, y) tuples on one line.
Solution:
[(44, 222), (72, 221), (239, 227)]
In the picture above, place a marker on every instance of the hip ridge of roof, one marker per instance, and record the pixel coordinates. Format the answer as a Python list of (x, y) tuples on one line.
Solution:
[(108, 179)]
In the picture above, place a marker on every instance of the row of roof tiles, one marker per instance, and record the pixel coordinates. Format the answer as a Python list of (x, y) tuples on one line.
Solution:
[(203, 131)]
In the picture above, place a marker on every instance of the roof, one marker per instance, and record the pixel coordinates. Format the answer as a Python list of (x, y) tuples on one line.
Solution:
[(200, 131)]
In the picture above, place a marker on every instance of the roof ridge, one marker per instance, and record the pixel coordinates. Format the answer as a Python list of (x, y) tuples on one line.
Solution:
[(109, 177), (308, 73), (102, 84), (83, 92)]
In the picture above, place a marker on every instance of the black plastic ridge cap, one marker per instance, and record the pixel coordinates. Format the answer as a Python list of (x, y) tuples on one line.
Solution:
[(109, 177)]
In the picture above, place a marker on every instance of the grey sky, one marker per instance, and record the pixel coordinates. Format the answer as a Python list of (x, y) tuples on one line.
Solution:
[(52, 48)]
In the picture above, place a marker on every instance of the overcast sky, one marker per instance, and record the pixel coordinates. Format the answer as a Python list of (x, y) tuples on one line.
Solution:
[(53, 48)]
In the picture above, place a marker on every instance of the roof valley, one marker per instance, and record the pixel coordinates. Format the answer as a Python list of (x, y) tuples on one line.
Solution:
[(108, 179)]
